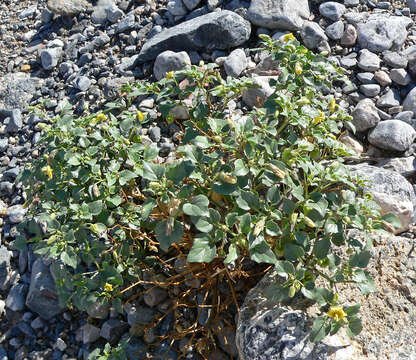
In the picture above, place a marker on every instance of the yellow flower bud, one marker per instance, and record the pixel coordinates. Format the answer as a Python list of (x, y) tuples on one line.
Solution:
[(288, 37), (309, 222), (101, 117), (278, 172), (298, 68), (332, 105), (303, 101), (319, 118), (47, 170), (169, 75), (229, 179), (108, 287), (140, 115), (337, 313)]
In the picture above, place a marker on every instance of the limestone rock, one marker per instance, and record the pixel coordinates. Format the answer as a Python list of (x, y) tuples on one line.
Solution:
[(67, 7), (216, 30), (365, 115), (278, 14), (170, 61), (393, 135)]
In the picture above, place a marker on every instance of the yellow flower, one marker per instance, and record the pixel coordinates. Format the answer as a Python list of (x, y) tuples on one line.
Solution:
[(47, 170), (319, 118), (333, 105), (108, 287), (304, 51), (140, 115), (288, 37), (101, 117), (169, 75), (337, 313), (298, 68)]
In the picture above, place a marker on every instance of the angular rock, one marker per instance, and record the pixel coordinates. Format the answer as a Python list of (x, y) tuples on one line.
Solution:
[(390, 190), (154, 296), (42, 297), (5, 256), (16, 298), (113, 13), (16, 213), (15, 121), (405, 166), (393, 135), (177, 8), (382, 78), (409, 103), (389, 99), (383, 32), (191, 4), (400, 76), (332, 10), (82, 83), (368, 61), (170, 61), (235, 63), (50, 57), (395, 60), (97, 310), (141, 315), (17, 89), (370, 90), (349, 38), (90, 333), (112, 330), (217, 30), (335, 30), (278, 14), (365, 115), (255, 97), (312, 34), (67, 7)]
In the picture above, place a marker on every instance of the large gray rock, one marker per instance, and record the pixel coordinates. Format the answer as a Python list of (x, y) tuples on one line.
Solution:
[(216, 30), (383, 32), (170, 61), (409, 103), (405, 166), (390, 190), (267, 330), (278, 14), (365, 115), (312, 34), (42, 297), (67, 7), (393, 135), (17, 89)]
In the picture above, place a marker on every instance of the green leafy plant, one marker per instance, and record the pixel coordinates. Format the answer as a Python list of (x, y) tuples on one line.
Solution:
[(266, 184)]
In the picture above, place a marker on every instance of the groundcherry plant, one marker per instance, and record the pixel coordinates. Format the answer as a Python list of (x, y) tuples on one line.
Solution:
[(266, 183)]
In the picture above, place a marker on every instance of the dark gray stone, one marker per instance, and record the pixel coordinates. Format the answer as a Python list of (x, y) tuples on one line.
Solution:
[(16, 298), (15, 122), (17, 89), (5, 256), (389, 99), (278, 14), (332, 10), (42, 297), (82, 83), (312, 34), (370, 90), (112, 330), (235, 63), (335, 30), (217, 30)]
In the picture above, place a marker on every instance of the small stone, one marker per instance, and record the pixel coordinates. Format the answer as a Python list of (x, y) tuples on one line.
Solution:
[(349, 38), (382, 78), (389, 99), (37, 323), (16, 299), (235, 63), (368, 61), (112, 330), (312, 34), (370, 90), (335, 30), (98, 310), (50, 57), (82, 83), (348, 63), (90, 333), (191, 4), (365, 115), (400, 76), (332, 10), (60, 344), (2, 308), (177, 8), (404, 116), (67, 7), (393, 135), (5, 256), (394, 59), (170, 61), (141, 315), (15, 122), (126, 24), (255, 97), (16, 213), (46, 16), (155, 134), (410, 101), (154, 296), (411, 4), (114, 14)]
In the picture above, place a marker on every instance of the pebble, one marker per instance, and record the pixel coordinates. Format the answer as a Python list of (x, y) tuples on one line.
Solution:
[(400, 76), (82, 83), (335, 30), (349, 38), (382, 78), (368, 61), (235, 63), (370, 90), (365, 115), (393, 135), (16, 298), (332, 10), (90, 333), (50, 57)]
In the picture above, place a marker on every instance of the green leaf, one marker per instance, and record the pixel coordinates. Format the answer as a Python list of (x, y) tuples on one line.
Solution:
[(272, 228), (262, 253), (168, 232), (284, 268), (360, 259), (126, 176), (152, 172), (273, 195), (293, 252), (148, 207), (392, 219), (202, 224), (197, 207), (69, 257), (224, 188), (248, 200), (322, 296), (150, 152), (354, 326), (202, 142), (231, 219), (240, 168), (232, 254), (115, 200), (352, 310), (202, 250), (180, 171), (364, 281), (319, 329), (95, 207), (245, 223), (321, 248)]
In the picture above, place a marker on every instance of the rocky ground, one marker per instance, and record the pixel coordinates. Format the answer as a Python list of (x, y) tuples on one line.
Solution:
[(80, 52)]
